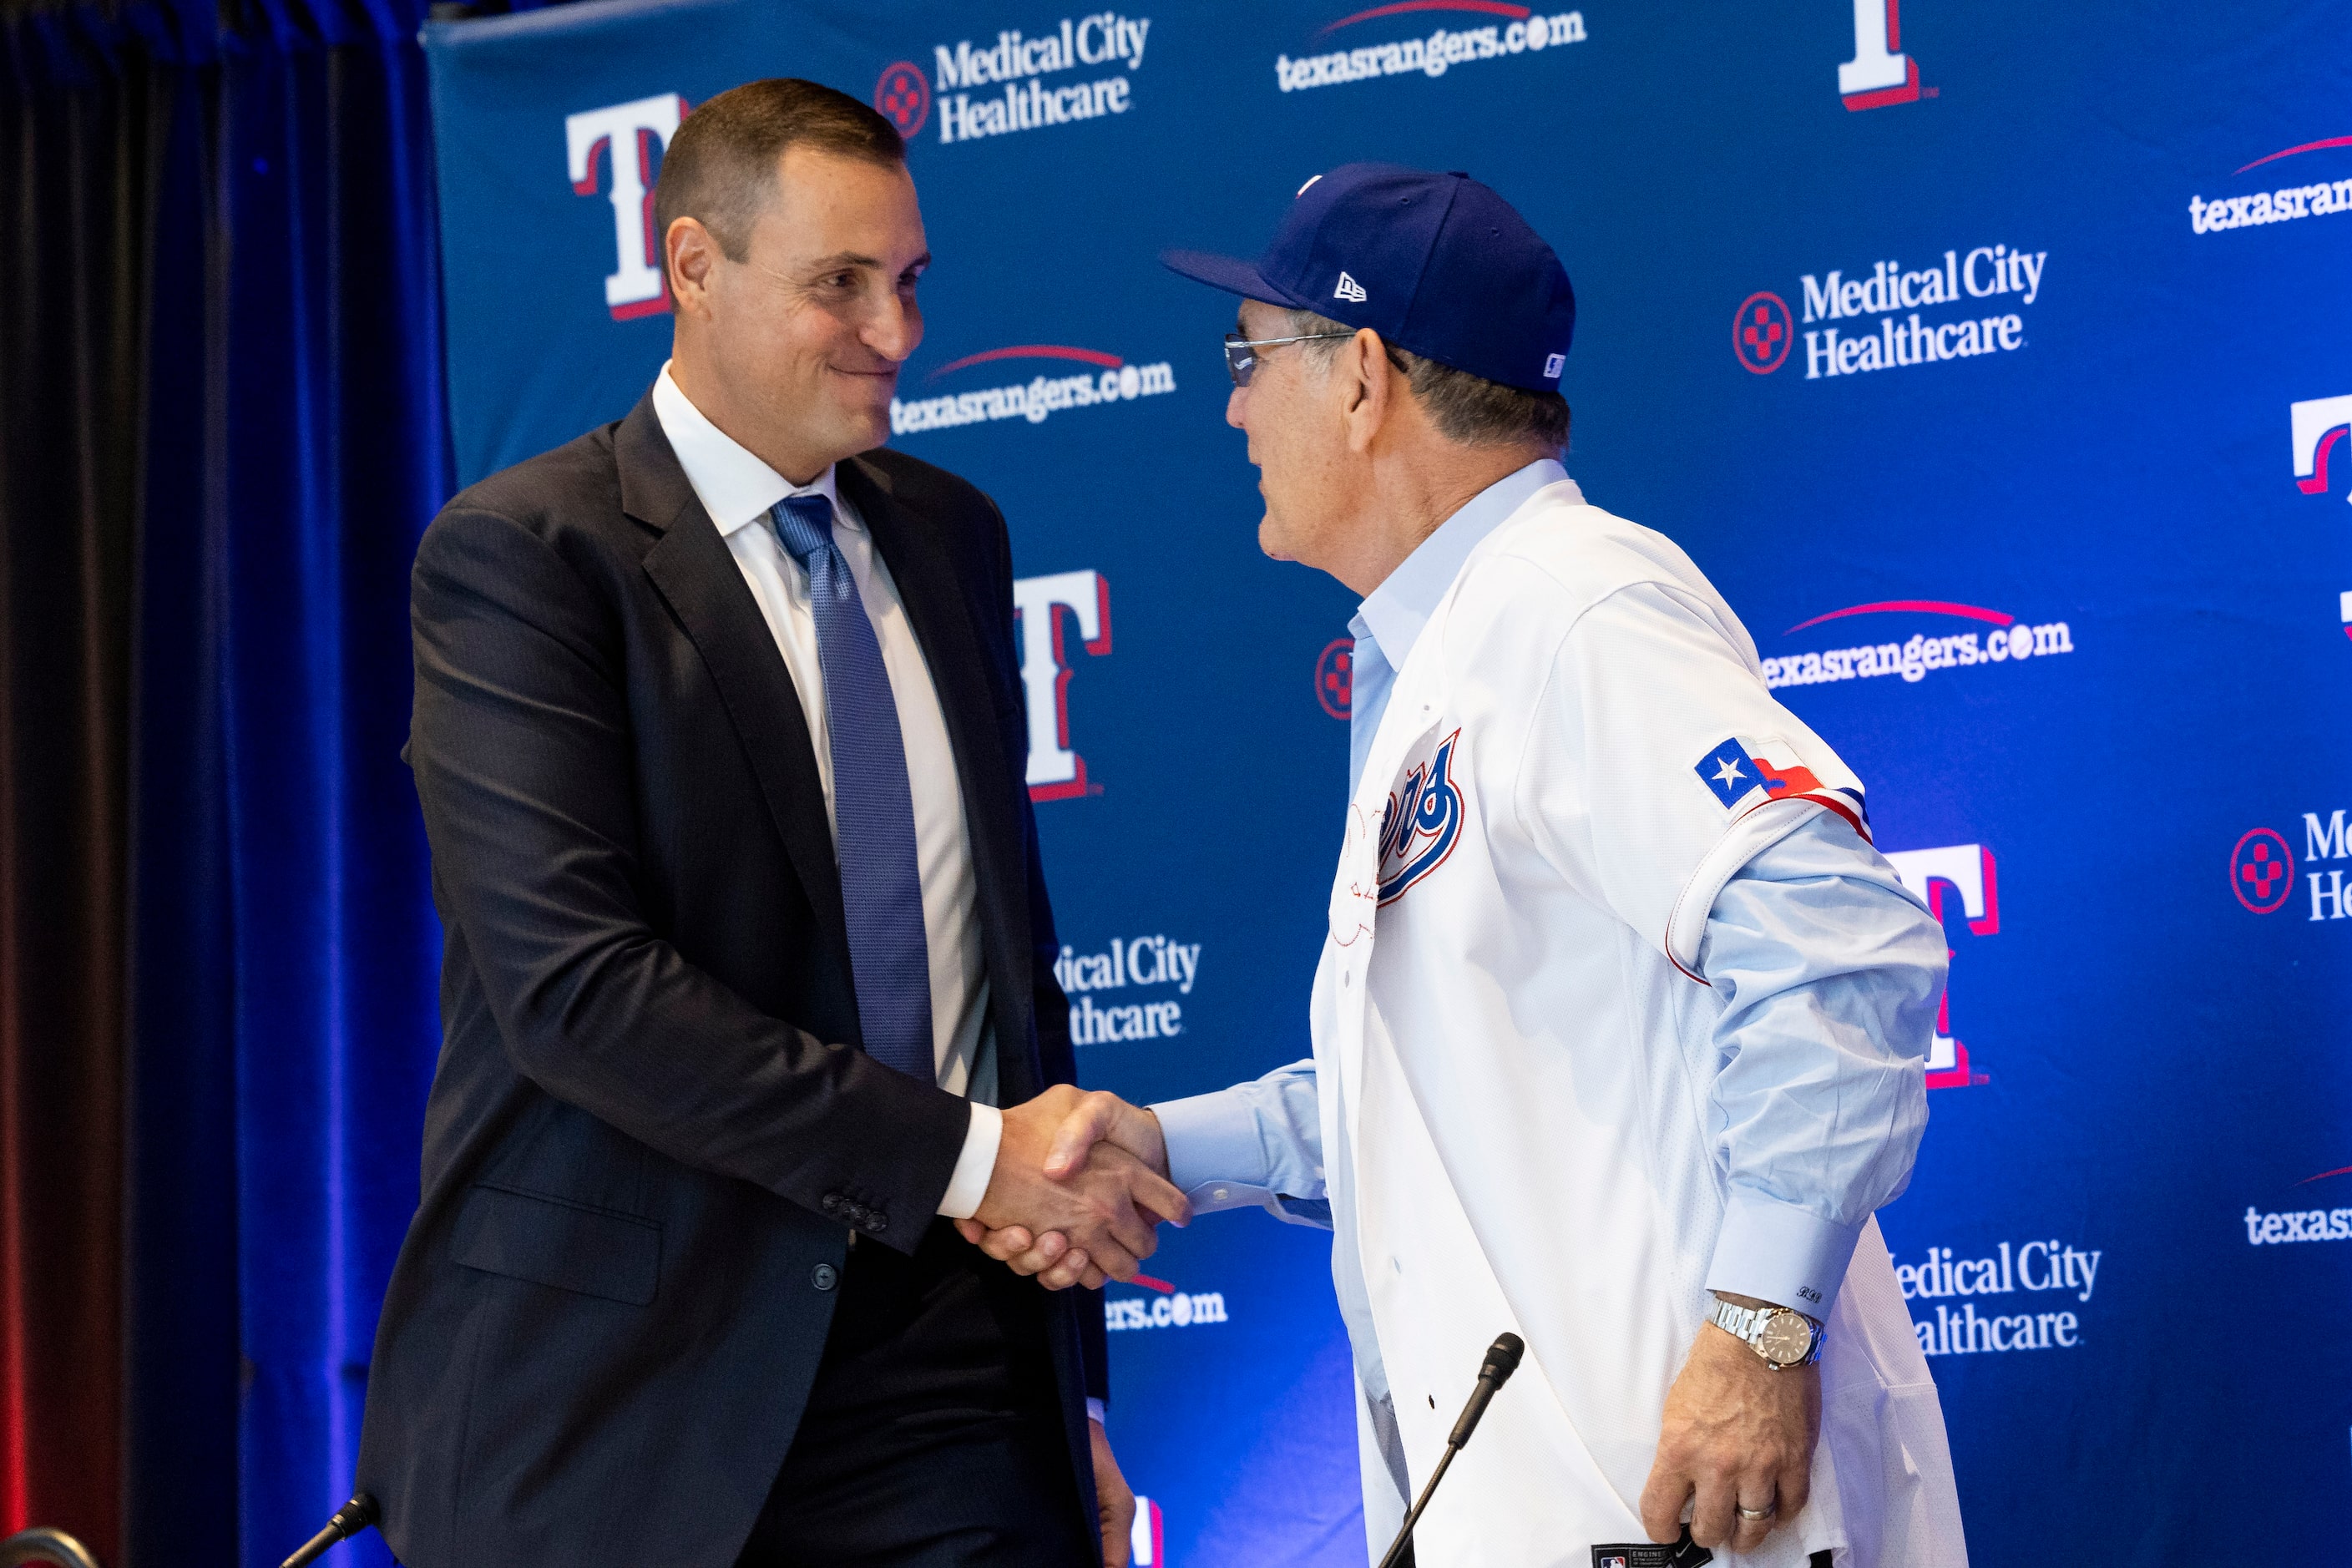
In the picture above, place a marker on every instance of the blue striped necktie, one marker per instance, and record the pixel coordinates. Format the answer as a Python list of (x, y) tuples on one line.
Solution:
[(873, 808)]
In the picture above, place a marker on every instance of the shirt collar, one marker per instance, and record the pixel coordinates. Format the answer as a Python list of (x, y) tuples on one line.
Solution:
[(1394, 613), (735, 487)]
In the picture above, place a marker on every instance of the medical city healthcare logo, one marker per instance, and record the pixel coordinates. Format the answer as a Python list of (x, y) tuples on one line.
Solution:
[(2051, 1272), (2263, 868), (2283, 204), (2010, 642), (1137, 963), (1335, 678), (903, 94), (1517, 31), (1112, 379), (1762, 334), (1023, 66)]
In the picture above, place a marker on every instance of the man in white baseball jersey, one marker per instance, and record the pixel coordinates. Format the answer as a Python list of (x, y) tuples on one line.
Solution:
[(1621, 1024)]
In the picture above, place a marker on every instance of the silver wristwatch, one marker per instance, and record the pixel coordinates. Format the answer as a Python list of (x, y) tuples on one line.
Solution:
[(1784, 1338)]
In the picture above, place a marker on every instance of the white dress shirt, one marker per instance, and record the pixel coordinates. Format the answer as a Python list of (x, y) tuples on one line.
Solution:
[(738, 491)]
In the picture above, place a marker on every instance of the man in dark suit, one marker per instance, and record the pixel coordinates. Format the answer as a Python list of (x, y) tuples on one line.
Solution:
[(719, 741)]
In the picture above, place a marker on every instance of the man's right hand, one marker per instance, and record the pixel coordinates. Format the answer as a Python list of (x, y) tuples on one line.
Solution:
[(1093, 1195), (1086, 1132)]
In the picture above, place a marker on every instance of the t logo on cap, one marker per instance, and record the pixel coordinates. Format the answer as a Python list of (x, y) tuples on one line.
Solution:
[(1438, 265)]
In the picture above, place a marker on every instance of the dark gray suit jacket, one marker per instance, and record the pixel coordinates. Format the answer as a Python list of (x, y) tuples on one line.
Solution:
[(650, 1126)]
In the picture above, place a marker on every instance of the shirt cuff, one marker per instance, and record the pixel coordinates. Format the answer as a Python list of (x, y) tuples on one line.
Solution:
[(969, 1183), (1215, 1157), (1777, 1252), (1094, 1410)]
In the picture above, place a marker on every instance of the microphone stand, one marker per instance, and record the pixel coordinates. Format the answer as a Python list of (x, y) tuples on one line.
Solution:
[(1502, 1360), (350, 1520)]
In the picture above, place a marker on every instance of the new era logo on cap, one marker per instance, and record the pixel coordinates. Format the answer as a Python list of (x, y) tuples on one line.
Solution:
[(1349, 289), (1553, 366)]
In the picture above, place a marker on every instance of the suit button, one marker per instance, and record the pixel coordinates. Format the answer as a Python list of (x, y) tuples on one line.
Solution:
[(876, 1223), (831, 1204), (825, 1276)]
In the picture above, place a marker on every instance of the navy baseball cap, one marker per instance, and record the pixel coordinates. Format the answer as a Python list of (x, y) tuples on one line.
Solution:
[(1436, 264)]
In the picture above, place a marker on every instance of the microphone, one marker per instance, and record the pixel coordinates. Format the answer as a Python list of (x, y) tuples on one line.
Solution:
[(1502, 1360), (350, 1520)]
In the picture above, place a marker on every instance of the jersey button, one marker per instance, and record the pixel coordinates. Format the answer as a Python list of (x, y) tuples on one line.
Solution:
[(825, 1276)]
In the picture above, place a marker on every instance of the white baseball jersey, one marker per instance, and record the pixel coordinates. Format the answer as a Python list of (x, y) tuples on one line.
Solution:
[(1514, 1052)]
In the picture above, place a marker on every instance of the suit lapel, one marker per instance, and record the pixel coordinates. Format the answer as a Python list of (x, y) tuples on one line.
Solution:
[(939, 608), (694, 572)]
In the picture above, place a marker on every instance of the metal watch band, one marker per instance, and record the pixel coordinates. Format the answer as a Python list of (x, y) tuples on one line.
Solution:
[(1746, 1324)]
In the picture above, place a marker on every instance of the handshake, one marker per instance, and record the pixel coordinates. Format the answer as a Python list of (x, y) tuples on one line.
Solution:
[(1079, 1190)]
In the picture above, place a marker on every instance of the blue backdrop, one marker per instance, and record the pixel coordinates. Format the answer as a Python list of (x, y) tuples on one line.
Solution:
[(1992, 361)]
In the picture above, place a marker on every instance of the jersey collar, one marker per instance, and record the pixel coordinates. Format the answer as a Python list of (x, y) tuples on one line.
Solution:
[(1395, 612)]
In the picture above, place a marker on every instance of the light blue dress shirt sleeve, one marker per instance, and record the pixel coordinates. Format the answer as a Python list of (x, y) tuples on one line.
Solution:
[(1830, 975), (1256, 1144)]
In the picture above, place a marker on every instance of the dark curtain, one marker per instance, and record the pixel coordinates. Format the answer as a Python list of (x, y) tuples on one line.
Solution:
[(76, 159), (221, 434)]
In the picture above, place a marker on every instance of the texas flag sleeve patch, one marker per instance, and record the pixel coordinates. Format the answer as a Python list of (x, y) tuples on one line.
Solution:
[(1743, 774)]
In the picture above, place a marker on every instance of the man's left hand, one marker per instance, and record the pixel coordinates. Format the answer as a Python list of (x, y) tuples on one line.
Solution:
[(1736, 1434), (1117, 1502)]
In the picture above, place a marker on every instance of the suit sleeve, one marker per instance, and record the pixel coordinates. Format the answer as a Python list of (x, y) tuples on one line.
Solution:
[(522, 751)]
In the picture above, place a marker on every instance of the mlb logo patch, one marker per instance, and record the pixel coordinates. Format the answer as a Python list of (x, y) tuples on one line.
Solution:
[(1738, 767), (1683, 1554)]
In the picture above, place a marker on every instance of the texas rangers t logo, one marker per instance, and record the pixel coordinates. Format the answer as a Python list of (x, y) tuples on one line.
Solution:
[(1421, 826)]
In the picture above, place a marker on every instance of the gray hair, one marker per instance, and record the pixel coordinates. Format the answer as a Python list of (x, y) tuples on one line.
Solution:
[(1466, 409)]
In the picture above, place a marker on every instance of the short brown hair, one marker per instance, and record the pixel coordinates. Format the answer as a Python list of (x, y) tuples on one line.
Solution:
[(1464, 407), (720, 167)]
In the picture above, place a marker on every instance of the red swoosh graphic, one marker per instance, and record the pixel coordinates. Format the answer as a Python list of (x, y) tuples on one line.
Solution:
[(2340, 1170), (1490, 7), (1917, 606), (1149, 1283), (1031, 350), (2306, 147)]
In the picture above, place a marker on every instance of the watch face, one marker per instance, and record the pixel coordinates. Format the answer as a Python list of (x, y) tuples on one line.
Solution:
[(1787, 1338)]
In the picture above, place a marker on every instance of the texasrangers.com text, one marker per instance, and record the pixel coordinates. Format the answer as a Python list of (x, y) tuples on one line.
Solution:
[(1428, 57), (1047, 395)]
